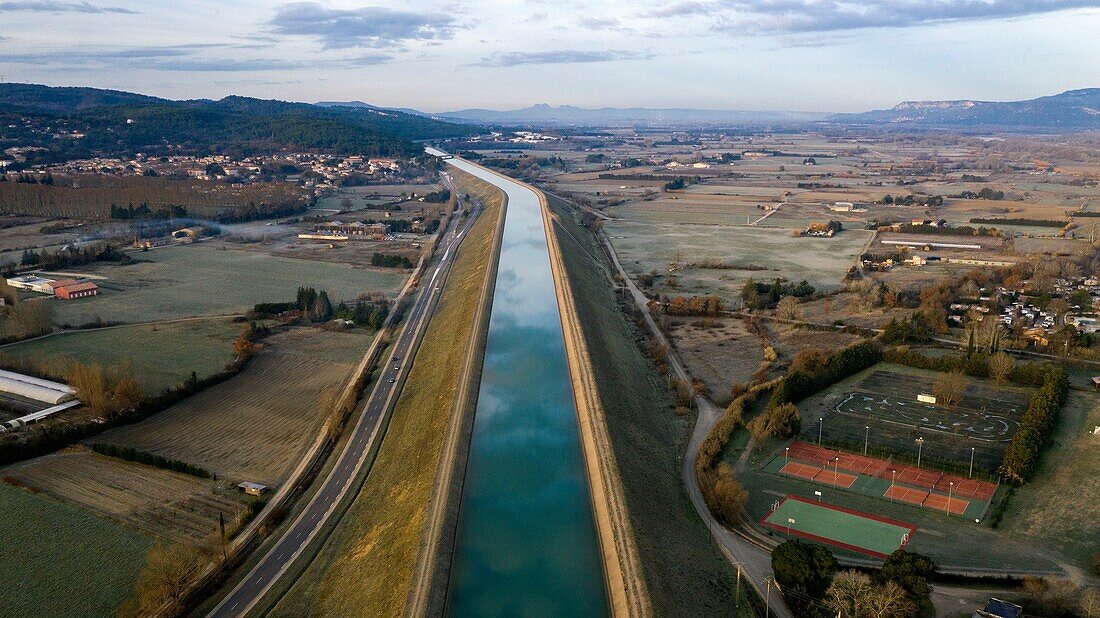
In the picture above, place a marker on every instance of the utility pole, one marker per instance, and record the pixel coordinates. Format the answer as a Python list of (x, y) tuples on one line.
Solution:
[(768, 599)]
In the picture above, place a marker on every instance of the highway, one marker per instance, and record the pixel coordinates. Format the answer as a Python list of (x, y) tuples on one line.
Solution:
[(357, 455)]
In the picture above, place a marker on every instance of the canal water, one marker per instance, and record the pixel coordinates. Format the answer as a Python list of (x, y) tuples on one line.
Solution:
[(526, 542)]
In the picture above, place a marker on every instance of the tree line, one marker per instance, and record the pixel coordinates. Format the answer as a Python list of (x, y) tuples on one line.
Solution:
[(760, 295), (387, 260), (128, 453)]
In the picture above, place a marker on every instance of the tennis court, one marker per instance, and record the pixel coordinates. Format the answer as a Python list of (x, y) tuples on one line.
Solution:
[(927, 499), (852, 530), (818, 474), (906, 494)]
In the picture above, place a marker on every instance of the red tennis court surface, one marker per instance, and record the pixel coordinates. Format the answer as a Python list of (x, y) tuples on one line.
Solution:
[(817, 474), (929, 479), (809, 452), (906, 494), (955, 506), (801, 470), (920, 497), (839, 479)]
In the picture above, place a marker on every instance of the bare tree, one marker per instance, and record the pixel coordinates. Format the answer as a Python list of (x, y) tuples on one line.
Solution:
[(1000, 366), (1089, 604), (853, 595), (949, 388), (169, 570), (788, 308)]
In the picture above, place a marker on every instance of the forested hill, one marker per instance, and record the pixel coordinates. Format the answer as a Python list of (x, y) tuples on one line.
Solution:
[(80, 122)]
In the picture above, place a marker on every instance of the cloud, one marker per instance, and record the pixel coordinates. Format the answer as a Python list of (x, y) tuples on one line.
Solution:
[(51, 6), (797, 16), (682, 9), (178, 58), (371, 26), (564, 56)]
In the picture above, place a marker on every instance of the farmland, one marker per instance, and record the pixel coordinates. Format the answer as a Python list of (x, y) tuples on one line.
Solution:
[(167, 505), (87, 567), (211, 278), (255, 425), (162, 355), (761, 253)]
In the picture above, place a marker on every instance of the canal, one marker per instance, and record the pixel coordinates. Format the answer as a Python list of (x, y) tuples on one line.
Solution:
[(526, 541)]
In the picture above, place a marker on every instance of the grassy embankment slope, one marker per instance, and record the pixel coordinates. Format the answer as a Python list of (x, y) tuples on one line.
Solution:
[(162, 355), (1060, 507), (87, 568), (685, 572), (367, 564)]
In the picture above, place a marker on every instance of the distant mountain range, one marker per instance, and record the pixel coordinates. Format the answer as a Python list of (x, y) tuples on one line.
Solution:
[(1069, 111), (1073, 110), (569, 115), (78, 122)]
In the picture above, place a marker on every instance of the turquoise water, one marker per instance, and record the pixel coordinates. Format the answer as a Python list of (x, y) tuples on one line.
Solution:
[(526, 542)]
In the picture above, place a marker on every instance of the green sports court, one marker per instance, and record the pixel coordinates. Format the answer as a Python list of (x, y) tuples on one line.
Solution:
[(825, 523)]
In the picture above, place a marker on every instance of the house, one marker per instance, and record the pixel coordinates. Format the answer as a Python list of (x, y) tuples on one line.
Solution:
[(252, 489), (841, 207), (76, 289), (926, 398), (997, 608)]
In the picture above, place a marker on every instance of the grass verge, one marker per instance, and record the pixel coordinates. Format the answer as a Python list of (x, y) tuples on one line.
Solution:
[(685, 572), (367, 564)]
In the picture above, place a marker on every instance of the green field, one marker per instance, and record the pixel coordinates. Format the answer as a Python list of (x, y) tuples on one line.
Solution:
[(162, 355), (825, 523), (58, 560), (1060, 507), (211, 278)]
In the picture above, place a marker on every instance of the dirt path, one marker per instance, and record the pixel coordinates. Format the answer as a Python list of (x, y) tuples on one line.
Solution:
[(753, 562)]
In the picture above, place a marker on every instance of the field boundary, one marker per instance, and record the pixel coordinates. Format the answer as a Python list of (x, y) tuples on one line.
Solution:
[(627, 593), (428, 595), (299, 476)]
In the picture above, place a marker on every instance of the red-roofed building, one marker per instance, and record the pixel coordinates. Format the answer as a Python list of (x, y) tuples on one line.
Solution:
[(79, 289)]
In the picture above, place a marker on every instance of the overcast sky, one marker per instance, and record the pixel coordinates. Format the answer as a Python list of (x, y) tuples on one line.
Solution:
[(809, 55)]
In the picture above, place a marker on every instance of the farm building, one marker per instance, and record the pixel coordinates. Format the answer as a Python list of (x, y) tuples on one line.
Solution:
[(355, 228), (188, 233), (76, 289), (35, 389), (252, 489)]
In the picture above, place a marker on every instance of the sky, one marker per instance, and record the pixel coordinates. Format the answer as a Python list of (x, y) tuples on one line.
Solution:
[(803, 55)]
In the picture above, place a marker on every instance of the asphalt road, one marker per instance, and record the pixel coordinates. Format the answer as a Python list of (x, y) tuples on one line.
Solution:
[(353, 459)]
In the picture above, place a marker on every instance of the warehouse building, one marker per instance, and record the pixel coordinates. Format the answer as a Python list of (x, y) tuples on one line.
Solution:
[(76, 289), (32, 283)]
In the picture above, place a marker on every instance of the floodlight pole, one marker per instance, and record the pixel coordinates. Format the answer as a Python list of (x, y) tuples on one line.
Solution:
[(786, 454), (920, 447), (820, 423), (950, 492), (971, 473), (768, 599), (866, 438), (836, 468)]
